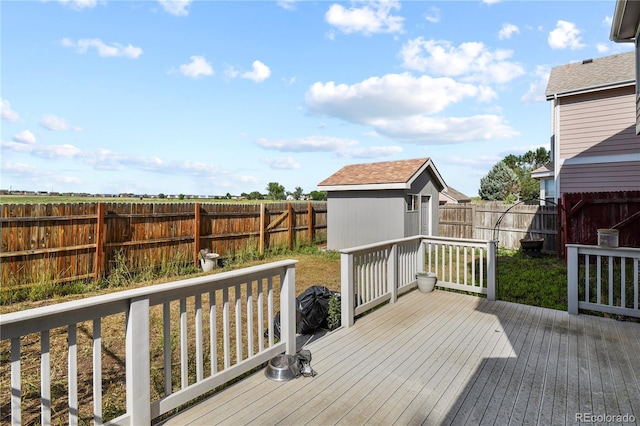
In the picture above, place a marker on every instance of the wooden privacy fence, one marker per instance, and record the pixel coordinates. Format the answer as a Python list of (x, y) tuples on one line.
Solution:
[(478, 221), (76, 241)]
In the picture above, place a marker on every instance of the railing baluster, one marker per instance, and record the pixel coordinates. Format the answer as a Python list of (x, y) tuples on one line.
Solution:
[(270, 309), (226, 328), (97, 371), (238, 311), (45, 378), (623, 279), (586, 278), (250, 318), (72, 374), (473, 267), (166, 348), (598, 279), (260, 289), (16, 394), (610, 279), (184, 348), (199, 342), (213, 334), (466, 271), (636, 278), (457, 264)]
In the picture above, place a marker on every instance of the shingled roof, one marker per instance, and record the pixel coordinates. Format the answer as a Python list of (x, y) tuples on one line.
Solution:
[(383, 175), (592, 73)]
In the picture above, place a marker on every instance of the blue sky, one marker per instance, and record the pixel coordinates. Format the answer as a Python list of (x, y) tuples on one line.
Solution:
[(217, 97)]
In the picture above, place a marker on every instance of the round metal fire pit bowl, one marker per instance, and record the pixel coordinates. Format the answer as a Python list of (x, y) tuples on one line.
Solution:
[(280, 368)]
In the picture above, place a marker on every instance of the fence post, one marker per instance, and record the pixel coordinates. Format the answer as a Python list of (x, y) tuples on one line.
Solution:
[(137, 363), (392, 273), (572, 279), (288, 309), (99, 239), (263, 214), (347, 300), (291, 213), (491, 270), (310, 223), (196, 235)]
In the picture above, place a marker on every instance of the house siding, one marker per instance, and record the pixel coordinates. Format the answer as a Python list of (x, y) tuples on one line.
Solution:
[(598, 123), (356, 218), (423, 185), (600, 177)]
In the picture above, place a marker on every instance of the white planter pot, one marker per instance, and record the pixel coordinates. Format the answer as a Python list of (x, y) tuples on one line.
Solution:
[(426, 283), (208, 261)]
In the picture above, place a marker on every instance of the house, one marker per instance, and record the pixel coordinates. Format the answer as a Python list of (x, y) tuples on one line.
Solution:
[(594, 145), (625, 26), (372, 202), (452, 196)]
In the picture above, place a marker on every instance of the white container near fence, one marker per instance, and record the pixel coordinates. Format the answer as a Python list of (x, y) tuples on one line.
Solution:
[(608, 237)]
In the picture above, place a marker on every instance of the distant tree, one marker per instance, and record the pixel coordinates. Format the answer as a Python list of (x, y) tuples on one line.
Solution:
[(318, 195), (161, 195), (244, 195), (297, 194), (275, 191), (228, 196), (499, 183), (255, 195), (181, 197), (523, 165)]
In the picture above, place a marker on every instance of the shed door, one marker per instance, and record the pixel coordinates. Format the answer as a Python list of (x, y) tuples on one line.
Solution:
[(425, 221)]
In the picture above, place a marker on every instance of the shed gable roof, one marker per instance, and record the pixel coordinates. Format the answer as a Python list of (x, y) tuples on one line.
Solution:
[(592, 74), (383, 175)]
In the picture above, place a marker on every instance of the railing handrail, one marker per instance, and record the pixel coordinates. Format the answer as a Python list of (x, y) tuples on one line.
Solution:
[(365, 247), (606, 251), (20, 323)]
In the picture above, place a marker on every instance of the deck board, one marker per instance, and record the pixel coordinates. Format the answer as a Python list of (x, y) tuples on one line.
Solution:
[(446, 358)]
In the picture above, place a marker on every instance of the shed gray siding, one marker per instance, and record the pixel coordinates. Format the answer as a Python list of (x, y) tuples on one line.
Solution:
[(356, 218), (423, 185)]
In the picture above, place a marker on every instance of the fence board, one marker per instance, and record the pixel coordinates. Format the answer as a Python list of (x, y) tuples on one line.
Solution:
[(479, 221), (72, 241)]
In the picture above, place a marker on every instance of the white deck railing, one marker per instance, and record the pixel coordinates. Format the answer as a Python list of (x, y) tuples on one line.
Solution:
[(376, 273), (248, 295), (603, 279)]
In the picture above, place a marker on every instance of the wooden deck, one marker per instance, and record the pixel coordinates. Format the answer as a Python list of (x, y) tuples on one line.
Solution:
[(445, 358)]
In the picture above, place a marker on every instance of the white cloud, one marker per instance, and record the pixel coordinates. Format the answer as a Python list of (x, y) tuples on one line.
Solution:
[(473, 61), (602, 48), (176, 7), (429, 130), (104, 50), (25, 136), (490, 1), (78, 4), (433, 15), (287, 4), (564, 36), (370, 152), (393, 95), (55, 123), (281, 163), (7, 113), (259, 73), (507, 31), (536, 92), (374, 17), (607, 21), (197, 67), (308, 144)]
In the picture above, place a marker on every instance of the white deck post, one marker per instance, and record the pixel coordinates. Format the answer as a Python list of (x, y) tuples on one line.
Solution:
[(392, 274), (421, 252), (137, 363), (347, 300), (572, 279), (288, 309), (491, 270)]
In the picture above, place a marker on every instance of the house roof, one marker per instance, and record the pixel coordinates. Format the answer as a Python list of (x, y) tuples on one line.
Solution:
[(625, 22), (383, 175), (544, 171), (455, 195), (591, 74)]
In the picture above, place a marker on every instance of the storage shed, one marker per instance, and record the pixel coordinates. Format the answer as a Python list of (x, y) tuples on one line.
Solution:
[(373, 202)]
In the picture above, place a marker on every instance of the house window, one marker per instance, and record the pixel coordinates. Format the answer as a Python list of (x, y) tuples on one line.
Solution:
[(412, 202), (549, 190)]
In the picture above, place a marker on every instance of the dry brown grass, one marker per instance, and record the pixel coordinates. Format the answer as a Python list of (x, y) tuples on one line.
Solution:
[(312, 269)]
